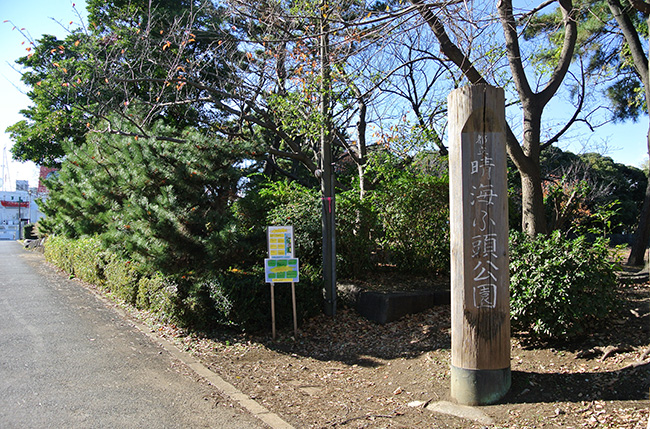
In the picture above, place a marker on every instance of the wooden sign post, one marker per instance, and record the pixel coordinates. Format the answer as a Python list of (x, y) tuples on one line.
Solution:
[(480, 307), (281, 267)]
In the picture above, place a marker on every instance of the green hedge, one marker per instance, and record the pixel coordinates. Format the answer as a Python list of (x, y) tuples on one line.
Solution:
[(122, 278), (29, 231), (88, 260), (402, 223), (414, 216), (156, 293), (58, 251), (232, 297)]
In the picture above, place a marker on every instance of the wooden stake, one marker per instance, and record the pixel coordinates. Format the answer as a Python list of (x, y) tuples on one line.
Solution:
[(273, 310), (480, 307), (295, 317)]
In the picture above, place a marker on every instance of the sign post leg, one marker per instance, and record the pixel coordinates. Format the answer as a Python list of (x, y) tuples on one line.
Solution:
[(293, 301), (273, 311)]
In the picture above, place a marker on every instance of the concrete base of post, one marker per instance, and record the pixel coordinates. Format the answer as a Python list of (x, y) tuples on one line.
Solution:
[(479, 386)]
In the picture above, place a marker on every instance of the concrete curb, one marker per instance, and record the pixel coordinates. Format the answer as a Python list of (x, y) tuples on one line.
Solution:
[(271, 419), (385, 307), (227, 389), (462, 411)]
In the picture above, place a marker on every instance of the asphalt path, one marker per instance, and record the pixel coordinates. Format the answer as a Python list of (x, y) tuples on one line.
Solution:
[(67, 360)]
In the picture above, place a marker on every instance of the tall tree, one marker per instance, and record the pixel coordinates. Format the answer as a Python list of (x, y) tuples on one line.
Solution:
[(525, 154), (611, 37), (626, 17), (165, 202), (52, 120), (79, 81)]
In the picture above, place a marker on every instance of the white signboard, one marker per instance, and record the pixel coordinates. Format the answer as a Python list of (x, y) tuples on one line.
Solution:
[(280, 241)]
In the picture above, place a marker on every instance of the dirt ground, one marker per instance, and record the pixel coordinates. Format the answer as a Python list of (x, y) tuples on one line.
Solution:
[(352, 373)]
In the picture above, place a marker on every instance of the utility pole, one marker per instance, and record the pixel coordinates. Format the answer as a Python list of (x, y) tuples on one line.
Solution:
[(326, 174), (20, 219)]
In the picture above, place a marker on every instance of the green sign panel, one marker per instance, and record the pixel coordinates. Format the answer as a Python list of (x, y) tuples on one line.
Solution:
[(281, 270)]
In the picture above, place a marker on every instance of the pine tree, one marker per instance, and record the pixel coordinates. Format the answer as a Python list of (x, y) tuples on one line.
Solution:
[(165, 202)]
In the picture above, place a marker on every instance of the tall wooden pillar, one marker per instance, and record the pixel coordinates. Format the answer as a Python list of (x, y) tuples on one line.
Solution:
[(480, 307)]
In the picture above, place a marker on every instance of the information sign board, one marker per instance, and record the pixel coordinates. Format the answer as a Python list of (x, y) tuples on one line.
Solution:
[(281, 270), (280, 241)]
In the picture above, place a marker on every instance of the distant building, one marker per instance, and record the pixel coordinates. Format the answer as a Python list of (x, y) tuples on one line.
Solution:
[(22, 185), (46, 173), (17, 209)]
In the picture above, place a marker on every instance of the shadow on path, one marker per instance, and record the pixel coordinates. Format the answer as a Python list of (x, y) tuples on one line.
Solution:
[(629, 383)]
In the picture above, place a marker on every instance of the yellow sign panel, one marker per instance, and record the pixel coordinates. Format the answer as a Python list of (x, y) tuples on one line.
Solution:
[(280, 242)]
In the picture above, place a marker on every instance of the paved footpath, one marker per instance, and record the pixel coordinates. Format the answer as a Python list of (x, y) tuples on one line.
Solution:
[(68, 360)]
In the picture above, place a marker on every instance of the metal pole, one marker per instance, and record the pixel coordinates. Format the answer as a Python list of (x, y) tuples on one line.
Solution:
[(326, 176), (30, 206), (20, 220)]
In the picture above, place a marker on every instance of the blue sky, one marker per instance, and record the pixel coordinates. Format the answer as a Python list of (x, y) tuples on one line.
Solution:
[(625, 143)]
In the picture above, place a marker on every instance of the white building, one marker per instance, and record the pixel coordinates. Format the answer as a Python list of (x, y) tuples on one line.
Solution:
[(17, 209)]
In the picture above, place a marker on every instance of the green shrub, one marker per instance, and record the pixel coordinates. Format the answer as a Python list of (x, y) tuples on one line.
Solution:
[(156, 293), (559, 287), (233, 297), (242, 299), (356, 227), (29, 231), (293, 204), (58, 252), (164, 204), (414, 212), (88, 259), (404, 221), (122, 278), (83, 258), (301, 207)]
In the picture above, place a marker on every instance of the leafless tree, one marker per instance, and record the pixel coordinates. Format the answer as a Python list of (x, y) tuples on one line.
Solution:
[(524, 152)]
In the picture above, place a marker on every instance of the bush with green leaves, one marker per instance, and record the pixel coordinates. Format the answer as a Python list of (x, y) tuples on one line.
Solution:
[(413, 212), (233, 297), (290, 203), (88, 259), (156, 293), (122, 278), (58, 251), (560, 288), (29, 231), (293, 204), (402, 221), (243, 299), (357, 224), (164, 202)]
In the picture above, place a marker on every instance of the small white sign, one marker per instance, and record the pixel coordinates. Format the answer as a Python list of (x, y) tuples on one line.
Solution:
[(280, 242)]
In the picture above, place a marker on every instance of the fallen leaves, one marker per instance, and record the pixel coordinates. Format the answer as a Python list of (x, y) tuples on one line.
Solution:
[(353, 373)]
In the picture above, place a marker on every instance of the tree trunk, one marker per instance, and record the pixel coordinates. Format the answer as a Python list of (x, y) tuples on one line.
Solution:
[(637, 253), (533, 216), (640, 59), (533, 213), (361, 134)]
